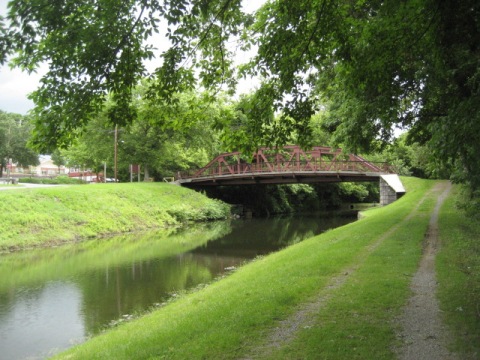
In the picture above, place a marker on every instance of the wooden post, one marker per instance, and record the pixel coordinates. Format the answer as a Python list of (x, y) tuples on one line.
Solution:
[(115, 153)]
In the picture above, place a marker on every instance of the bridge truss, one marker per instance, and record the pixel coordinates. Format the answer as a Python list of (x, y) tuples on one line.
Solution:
[(287, 165)]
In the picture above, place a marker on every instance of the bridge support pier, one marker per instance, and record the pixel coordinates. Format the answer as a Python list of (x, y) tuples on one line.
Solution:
[(391, 189)]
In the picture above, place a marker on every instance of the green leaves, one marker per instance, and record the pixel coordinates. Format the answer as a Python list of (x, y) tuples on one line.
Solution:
[(14, 134), (95, 49), (92, 49)]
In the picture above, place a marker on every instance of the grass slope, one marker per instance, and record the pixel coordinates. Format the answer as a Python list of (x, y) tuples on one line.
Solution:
[(458, 269), (235, 316), (31, 217)]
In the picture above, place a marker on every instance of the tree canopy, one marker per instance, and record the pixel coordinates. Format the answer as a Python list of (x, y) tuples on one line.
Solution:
[(376, 65), (163, 138), (14, 134)]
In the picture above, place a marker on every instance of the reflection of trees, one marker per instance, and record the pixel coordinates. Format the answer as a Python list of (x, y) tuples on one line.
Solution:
[(107, 264), (132, 288), (125, 275), (38, 266), (254, 237)]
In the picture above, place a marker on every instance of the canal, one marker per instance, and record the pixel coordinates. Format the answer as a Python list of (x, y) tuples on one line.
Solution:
[(54, 298)]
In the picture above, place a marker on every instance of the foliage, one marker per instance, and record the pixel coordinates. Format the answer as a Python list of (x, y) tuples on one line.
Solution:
[(382, 64), (469, 202), (248, 123), (14, 134), (376, 65), (458, 269), (265, 200), (353, 192), (98, 50), (412, 159), (164, 138), (58, 159), (54, 181)]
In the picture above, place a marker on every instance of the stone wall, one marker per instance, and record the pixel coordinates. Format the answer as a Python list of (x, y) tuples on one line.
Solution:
[(387, 194)]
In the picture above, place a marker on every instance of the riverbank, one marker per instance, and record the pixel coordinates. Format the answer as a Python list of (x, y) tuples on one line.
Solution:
[(51, 215), (333, 296)]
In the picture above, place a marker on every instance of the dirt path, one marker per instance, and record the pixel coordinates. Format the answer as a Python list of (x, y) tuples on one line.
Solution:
[(28, 186), (423, 335), (287, 329)]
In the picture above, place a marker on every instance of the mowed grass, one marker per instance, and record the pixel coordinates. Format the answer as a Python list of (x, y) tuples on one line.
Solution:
[(46, 216), (458, 269), (233, 317)]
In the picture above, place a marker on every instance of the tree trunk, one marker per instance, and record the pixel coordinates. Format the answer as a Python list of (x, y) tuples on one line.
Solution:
[(146, 176)]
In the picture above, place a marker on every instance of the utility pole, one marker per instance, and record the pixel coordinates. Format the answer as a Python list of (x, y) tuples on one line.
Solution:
[(115, 153)]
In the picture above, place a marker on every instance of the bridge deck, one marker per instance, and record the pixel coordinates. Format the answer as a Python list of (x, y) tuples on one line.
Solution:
[(294, 177), (288, 165)]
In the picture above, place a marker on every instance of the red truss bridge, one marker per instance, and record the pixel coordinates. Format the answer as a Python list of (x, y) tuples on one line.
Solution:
[(287, 165)]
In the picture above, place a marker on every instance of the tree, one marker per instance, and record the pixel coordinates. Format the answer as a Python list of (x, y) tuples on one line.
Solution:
[(14, 134), (58, 159), (95, 49), (377, 64), (163, 138), (170, 137), (381, 64)]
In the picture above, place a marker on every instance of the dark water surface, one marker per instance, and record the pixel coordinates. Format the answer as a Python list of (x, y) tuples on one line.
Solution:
[(51, 299)]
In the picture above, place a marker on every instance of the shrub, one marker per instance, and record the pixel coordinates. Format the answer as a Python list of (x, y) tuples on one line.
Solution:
[(62, 179)]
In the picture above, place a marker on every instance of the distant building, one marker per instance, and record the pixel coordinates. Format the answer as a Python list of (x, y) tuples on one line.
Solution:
[(48, 168), (45, 168)]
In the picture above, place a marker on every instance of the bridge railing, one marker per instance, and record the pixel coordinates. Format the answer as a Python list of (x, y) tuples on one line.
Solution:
[(315, 165)]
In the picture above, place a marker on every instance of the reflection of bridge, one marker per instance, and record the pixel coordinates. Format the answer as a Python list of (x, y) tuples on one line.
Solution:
[(287, 165)]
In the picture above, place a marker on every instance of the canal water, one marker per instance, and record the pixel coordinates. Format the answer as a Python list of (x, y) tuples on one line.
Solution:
[(52, 299)]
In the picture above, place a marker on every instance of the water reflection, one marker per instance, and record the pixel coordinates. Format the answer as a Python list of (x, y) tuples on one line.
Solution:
[(53, 298), (32, 323)]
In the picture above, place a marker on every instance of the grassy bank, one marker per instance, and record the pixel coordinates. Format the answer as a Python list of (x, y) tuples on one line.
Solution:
[(357, 276), (38, 216), (458, 268)]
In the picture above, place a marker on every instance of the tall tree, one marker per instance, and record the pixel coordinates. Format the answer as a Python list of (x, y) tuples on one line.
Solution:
[(14, 135), (163, 138), (95, 49)]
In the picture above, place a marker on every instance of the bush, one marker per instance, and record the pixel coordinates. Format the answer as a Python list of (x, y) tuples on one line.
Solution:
[(469, 201), (51, 181)]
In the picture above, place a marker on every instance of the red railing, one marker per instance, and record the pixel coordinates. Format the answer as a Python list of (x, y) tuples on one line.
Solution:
[(312, 166)]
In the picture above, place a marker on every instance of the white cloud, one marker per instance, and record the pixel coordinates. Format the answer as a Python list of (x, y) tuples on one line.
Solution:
[(15, 86)]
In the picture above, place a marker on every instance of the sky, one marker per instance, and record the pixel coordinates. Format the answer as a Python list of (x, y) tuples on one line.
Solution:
[(15, 85)]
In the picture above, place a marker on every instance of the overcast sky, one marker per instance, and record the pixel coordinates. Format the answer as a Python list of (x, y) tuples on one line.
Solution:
[(15, 85)]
